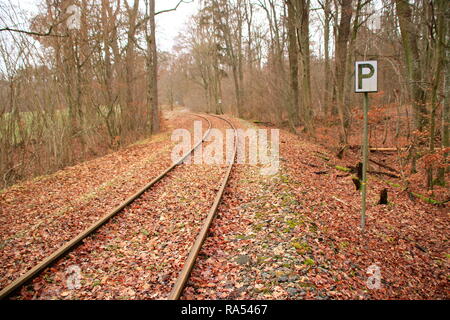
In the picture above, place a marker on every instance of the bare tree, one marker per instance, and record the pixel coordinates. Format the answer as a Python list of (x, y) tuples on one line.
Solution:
[(326, 6), (293, 64), (343, 32), (152, 67), (412, 61)]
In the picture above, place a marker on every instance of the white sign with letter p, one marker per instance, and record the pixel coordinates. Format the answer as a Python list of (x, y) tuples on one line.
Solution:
[(366, 76)]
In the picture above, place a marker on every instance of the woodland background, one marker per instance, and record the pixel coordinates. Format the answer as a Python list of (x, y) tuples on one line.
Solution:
[(67, 95)]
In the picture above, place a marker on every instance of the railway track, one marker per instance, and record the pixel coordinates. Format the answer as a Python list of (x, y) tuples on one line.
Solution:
[(184, 274), (189, 264)]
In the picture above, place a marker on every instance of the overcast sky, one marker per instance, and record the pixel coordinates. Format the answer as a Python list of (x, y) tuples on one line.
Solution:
[(169, 24)]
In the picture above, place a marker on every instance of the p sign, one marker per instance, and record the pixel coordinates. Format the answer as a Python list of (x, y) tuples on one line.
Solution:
[(366, 76)]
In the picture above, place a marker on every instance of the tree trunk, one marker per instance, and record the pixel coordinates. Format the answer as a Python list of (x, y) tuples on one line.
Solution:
[(327, 71), (341, 58), (303, 41), (439, 60), (128, 113), (446, 107), (152, 71), (293, 107), (412, 59)]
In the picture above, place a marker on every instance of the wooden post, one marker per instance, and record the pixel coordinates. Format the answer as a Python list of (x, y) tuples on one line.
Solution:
[(366, 80), (365, 158)]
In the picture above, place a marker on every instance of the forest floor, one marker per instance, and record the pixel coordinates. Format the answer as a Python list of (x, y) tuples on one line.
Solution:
[(292, 235), (388, 128)]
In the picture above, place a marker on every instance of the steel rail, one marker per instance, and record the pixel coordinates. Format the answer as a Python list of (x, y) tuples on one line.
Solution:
[(190, 261), (33, 272)]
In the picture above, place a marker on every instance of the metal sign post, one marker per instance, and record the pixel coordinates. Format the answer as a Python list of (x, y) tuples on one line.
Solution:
[(365, 81)]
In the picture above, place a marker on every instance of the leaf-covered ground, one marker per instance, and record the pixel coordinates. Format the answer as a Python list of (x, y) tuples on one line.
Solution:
[(139, 253), (38, 216), (296, 235), (293, 235)]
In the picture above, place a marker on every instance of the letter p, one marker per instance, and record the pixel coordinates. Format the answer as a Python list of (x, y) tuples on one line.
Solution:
[(361, 75)]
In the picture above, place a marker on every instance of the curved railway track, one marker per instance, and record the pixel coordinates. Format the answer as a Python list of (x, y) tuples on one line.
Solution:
[(189, 264)]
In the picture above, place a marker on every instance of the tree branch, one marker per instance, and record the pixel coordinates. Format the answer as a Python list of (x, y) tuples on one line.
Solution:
[(39, 34), (32, 33), (173, 9), (145, 19)]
